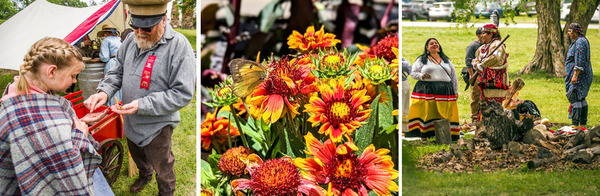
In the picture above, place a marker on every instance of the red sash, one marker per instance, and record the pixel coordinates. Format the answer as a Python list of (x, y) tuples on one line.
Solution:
[(147, 73)]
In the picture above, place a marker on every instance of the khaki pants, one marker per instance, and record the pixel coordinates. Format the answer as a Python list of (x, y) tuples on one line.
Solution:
[(475, 98), (157, 157)]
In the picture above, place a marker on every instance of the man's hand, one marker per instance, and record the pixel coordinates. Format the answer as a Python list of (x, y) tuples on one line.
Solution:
[(130, 108), (80, 125), (479, 67), (96, 100)]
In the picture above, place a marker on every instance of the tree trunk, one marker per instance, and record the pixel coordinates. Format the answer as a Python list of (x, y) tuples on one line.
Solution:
[(585, 10), (549, 52), (553, 42)]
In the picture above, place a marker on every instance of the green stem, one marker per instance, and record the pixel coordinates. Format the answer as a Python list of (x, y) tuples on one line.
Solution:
[(229, 132), (292, 124), (237, 122), (304, 123)]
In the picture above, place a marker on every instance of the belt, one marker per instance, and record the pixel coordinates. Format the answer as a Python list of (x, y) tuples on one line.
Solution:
[(113, 56)]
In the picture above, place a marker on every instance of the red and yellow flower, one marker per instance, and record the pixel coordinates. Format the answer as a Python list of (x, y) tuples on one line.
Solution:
[(282, 91), (344, 172), (311, 40), (213, 131), (396, 70), (275, 177), (383, 48), (339, 113)]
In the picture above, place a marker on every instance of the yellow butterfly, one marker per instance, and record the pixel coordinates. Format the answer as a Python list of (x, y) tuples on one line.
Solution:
[(247, 75)]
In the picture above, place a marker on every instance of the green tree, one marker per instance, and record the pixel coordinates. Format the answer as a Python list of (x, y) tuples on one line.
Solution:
[(8, 8), (21, 4), (70, 3), (186, 5), (553, 40)]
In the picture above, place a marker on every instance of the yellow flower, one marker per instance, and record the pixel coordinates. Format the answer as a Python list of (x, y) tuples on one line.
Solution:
[(339, 113)]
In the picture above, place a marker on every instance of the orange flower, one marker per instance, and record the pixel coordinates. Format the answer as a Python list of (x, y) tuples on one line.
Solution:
[(231, 162), (213, 131), (275, 177), (311, 40), (344, 172), (340, 113), (282, 91), (239, 107)]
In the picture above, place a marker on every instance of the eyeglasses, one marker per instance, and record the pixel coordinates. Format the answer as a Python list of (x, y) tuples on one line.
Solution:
[(147, 29)]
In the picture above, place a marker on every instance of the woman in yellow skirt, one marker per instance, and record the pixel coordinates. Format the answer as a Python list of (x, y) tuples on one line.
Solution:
[(435, 93)]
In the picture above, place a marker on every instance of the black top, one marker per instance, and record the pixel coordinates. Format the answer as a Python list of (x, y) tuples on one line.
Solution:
[(471, 49)]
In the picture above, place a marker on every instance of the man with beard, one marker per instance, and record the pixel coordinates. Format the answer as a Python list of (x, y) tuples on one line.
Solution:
[(156, 71), (491, 63)]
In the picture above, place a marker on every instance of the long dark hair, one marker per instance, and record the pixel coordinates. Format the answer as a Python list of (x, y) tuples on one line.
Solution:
[(425, 52)]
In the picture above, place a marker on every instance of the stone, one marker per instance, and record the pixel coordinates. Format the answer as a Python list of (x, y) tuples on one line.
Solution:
[(515, 149), (582, 157)]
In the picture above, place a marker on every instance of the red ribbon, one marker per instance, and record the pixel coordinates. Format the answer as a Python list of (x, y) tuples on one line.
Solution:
[(145, 83)]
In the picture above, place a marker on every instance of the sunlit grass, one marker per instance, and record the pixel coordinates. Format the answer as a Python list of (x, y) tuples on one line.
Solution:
[(546, 91)]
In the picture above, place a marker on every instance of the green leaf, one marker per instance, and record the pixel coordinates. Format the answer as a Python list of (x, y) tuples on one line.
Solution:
[(293, 144), (316, 73), (349, 79), (273, 149), (269, 14), (388, 130), (385, 110), (364, 135), (206, 173)]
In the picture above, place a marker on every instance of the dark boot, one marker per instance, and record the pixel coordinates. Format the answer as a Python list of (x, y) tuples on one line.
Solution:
[(139, 184)]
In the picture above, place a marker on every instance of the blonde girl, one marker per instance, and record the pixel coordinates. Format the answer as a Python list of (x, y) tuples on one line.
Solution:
[(43, 144), (512, 96)]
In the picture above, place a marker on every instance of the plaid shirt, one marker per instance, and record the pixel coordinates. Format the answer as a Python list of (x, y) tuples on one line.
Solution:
[(41, 153)]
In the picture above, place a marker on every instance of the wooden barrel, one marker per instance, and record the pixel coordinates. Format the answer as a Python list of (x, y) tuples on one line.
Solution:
[(90, 77)]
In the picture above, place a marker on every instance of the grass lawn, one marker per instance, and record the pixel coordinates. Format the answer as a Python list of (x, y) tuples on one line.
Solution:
[(544, 90), (190, 34), (184, 145), (514, 182)]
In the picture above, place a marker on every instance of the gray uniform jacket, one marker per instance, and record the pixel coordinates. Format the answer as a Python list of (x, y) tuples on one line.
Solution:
[(171, 84)]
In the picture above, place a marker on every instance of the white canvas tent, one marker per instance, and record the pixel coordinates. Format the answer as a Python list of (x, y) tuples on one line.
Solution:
[(43, 19)]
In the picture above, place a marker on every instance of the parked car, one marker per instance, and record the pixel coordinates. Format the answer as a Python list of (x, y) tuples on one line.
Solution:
[(414, 12), (566, 8), (425, 4), (530, 8), (514, 5), (486, 9), (441, 10)]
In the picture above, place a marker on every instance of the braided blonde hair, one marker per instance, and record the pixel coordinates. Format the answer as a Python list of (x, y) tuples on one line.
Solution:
[(48, 50), (516, 86)]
